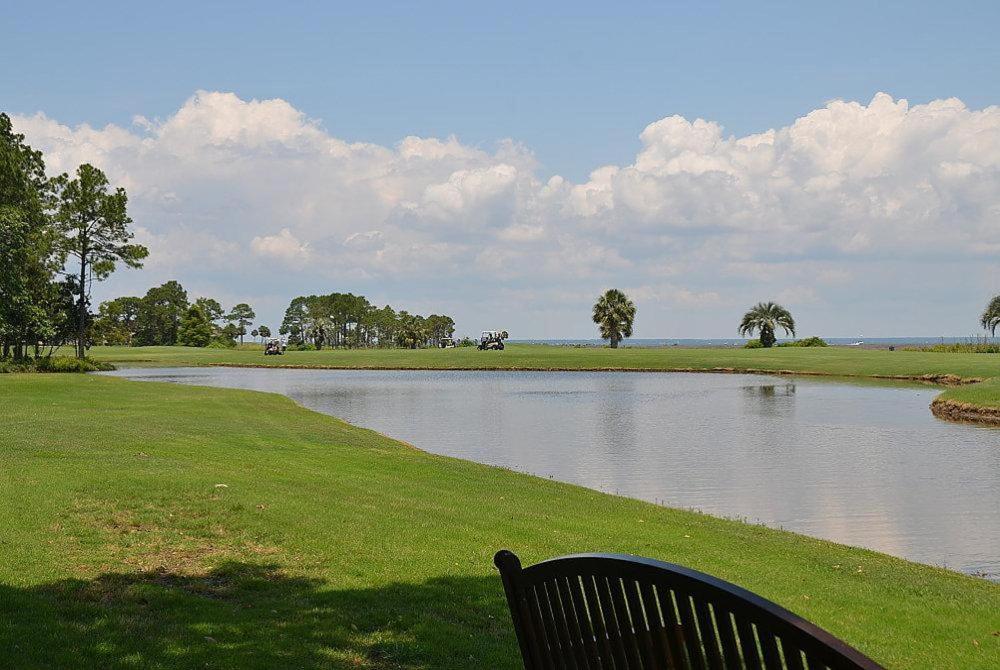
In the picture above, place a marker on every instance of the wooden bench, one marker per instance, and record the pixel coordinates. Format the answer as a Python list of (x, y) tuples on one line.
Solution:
[(598, 611)]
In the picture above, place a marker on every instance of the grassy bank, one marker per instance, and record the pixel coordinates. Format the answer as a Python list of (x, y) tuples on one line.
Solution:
[(821, 360), (839, 361), (979, 403), (155, 525)]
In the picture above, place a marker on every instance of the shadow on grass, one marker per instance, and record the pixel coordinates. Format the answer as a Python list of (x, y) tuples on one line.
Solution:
[(244, 615)]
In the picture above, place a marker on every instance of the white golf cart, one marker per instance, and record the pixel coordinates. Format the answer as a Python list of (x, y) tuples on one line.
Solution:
[(492, 340)]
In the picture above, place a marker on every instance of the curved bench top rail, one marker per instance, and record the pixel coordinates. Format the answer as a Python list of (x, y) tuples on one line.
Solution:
[(719, 593)]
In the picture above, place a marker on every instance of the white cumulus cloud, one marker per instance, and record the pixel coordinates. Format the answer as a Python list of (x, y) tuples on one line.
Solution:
[(284, 246), (810, 211)]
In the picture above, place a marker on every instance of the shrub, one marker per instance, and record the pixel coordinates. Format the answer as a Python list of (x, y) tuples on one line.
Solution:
[(221, 343), (305, 346), (54, 364), (808, 342), (753, 344), (67, 364), (813, 341)]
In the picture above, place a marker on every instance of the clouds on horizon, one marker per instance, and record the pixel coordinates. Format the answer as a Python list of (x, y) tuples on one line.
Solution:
[(255, 200)]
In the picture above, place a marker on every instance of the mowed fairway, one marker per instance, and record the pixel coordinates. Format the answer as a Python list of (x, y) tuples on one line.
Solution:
[(164, 526)]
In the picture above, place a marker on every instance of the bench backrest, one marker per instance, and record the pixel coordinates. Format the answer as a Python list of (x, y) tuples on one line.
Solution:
[(598, 611)]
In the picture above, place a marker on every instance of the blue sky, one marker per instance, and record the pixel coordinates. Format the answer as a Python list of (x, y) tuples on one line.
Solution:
[(574, 81), (573, 85)]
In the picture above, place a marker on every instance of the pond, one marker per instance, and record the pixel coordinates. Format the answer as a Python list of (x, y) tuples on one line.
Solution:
[(857, 463)]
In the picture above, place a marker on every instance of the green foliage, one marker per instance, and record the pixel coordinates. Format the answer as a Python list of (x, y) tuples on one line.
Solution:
[(242, 315), (53, 364), (67, 364), (614, 315), (807, 342), (228, 334), (195, 329), (212, 309), (117, 321), (94, 236), (345, 320), (814, 341), (753, 344), (991, 316), (765, 318), (160, 314), (221, 343), (159, 317), (264, 332), (31, 304), (410, 333)]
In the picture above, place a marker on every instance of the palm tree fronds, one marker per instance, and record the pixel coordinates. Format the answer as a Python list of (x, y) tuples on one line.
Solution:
[(765, 318)]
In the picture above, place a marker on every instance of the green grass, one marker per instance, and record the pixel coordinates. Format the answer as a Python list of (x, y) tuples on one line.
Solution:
[(840, 361), (826, 360), (986, 394), (333, 546)]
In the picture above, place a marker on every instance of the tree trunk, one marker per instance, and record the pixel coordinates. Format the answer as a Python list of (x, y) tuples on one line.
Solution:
[(767, 337), (81, 307)]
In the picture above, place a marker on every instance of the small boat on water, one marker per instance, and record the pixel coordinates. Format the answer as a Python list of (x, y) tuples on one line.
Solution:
[(855, 344)]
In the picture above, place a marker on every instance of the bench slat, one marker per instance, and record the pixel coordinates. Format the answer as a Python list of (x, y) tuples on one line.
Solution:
[(610, 611)]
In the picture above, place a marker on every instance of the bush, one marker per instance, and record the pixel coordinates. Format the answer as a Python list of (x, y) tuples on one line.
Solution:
[(813, 341), (753, 344), (305, 346), (221, 343), (808, 342), (54, 364), (67, 364)]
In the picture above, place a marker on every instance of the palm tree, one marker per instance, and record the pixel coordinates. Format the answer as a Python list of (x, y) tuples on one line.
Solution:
[(991, 317), (765, 317), (614, 314)]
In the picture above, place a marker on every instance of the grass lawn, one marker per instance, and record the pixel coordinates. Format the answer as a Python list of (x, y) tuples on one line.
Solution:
[(166, 526), (840, 361)]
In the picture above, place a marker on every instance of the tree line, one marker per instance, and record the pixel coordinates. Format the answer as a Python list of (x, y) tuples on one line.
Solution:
[(58, 236), (165, 317), (350, 321)]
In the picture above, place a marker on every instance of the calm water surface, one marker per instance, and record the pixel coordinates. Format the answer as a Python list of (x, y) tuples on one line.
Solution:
[(866, 465)]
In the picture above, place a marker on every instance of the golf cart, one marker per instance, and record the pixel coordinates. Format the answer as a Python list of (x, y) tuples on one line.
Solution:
[(446, 343), (274, 347), (492, 340)]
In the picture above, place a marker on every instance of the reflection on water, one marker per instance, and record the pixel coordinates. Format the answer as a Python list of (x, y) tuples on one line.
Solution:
[(865, 465)]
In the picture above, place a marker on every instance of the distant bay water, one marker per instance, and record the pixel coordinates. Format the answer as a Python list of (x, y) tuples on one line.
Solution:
[(867, 342)]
